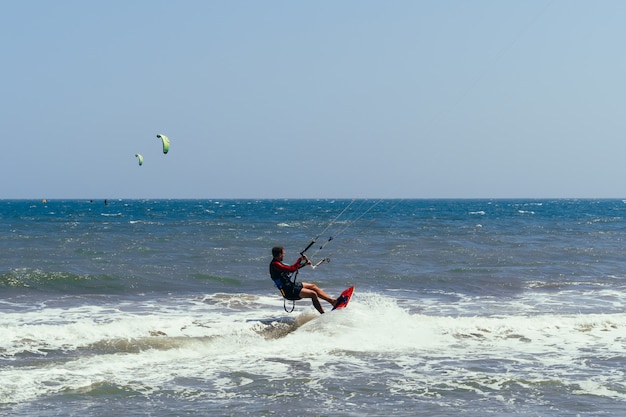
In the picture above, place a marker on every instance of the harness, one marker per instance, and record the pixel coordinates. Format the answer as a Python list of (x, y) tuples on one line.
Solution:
[(285, 284)]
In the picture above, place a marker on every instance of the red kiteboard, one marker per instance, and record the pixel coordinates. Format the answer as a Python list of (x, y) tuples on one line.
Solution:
[(344, 298)]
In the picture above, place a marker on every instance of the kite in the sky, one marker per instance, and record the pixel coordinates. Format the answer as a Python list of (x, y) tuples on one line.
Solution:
[(166, 142), (139, 158)]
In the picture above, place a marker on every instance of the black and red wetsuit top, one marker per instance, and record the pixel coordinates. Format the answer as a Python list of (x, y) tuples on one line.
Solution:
[(281, 275)]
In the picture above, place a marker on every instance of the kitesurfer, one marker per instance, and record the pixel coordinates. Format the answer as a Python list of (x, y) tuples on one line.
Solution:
[(281, 275)]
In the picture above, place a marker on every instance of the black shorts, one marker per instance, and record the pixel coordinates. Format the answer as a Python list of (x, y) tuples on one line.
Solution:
[(292, 291)]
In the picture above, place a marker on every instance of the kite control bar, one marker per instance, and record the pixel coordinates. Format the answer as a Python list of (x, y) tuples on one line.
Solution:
[(313, 266), (326, 260)]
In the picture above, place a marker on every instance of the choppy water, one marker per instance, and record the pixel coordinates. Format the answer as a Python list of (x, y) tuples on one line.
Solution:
[(165, 308)]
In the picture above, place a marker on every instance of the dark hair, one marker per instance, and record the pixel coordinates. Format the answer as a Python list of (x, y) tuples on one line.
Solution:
[(277, 250)]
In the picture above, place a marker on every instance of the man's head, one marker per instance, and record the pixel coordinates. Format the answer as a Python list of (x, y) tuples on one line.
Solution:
[(278, 251)]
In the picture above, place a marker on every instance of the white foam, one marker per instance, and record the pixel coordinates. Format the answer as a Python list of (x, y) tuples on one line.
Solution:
[(155, 345)]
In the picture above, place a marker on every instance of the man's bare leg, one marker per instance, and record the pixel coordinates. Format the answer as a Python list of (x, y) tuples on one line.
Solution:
[(320, 293), (309, 293)]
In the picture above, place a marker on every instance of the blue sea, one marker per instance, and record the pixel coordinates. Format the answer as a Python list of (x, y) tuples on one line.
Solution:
[(166, 308)]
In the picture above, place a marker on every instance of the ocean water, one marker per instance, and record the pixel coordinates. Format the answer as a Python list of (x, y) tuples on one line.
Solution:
[(165, 308)]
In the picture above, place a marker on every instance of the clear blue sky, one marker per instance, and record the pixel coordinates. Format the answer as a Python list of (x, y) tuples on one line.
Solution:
[(320, 99)]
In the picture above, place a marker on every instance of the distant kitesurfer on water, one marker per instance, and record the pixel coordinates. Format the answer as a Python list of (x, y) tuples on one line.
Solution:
[(281, 275)]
